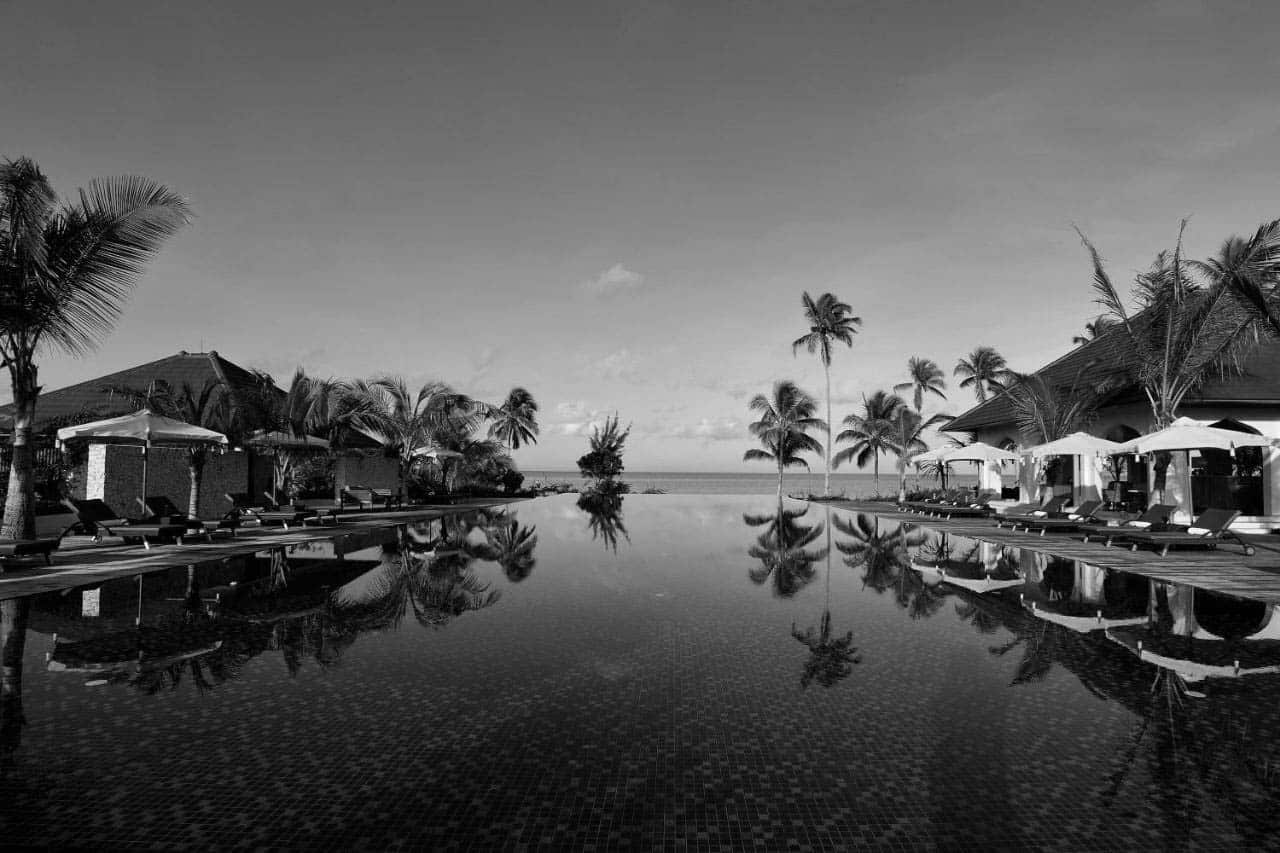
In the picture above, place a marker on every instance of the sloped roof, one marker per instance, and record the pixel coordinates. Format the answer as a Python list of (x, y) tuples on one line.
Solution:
[(1110, 357), (193, 368)]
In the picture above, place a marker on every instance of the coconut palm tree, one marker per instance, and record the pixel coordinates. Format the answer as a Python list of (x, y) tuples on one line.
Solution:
[(925, 377), (1046, 412), (984, 371), (515, 422), (300, 412), (65, 274), (1250, 269), (1094, 330), (908, 428), (829, 321), (785, 419), (871, 432), (405, 423)]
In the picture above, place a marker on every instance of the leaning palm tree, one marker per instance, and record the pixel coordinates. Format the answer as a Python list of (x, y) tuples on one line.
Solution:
[(925, 377), (908, 429), (871, 432), (406, 423), (785, 420), (829, 321), (1250, 269), (65, 274), (515, 422), (984, 370)]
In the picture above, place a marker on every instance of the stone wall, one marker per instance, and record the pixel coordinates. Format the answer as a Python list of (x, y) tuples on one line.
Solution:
[(113, 473)]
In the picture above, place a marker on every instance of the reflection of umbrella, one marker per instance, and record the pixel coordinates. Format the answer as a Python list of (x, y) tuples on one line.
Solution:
[(1187, 434), (1076, 444), (1081, 624), (1190, 670), (145, 429), (281, 445), (978, 585)]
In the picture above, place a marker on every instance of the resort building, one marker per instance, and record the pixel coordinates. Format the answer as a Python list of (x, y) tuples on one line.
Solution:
[(1247, 480), (113, 473)]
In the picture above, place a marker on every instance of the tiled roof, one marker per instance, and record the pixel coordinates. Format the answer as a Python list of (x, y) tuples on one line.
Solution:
[(193, 368), (1110, 356)]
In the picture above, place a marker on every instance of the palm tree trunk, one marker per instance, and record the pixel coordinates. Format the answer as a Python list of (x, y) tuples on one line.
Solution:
[(19, 505), (826, 479), (195, 472), (14, 613), (779, 481)]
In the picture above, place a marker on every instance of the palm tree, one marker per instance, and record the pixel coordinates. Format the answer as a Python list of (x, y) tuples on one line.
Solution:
[(871, 432), (1046, 412), (299, 413), (1094, 330), (516, 420), (1251, 270), (829, 321), (908, 428), (783, 427), (405, 423), (925, 377), (64, 277), (984, 370)]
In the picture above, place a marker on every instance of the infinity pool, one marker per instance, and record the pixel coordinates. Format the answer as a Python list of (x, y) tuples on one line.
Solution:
[(696, 670)]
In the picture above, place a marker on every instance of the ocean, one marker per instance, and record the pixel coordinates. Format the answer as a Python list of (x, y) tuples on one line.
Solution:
[(725, 483)]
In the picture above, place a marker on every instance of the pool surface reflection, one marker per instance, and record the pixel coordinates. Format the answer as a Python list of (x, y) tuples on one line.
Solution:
[(712, 670)]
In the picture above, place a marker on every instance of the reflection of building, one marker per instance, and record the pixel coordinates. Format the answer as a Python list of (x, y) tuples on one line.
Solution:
[(1248, 480)]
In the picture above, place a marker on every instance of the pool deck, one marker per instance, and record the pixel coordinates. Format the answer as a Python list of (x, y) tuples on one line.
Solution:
[(1224, 569), (79, 562)]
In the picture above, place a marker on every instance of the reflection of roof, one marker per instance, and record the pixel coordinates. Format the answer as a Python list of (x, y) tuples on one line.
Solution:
[(192, 368), (1110, 357)]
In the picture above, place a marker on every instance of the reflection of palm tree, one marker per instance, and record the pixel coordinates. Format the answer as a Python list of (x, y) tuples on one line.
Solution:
[(433, 588), (512, 547), (781, 550), (14, 614), (604, 516), (881, 552), (829, 660)]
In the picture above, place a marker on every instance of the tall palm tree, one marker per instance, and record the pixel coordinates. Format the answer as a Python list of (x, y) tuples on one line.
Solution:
[(1092, 331), (1250, 268), (515, 422), (829, 321), (65, 274), (871, 432), (785, 419), (405, 423), (984, 370), (925, 377), (908, 429)]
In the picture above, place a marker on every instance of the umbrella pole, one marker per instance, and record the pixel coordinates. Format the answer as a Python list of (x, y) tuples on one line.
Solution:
[(146, 451)]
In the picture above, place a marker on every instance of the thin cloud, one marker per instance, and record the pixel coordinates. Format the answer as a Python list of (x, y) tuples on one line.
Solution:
[(706, 429), (615, 279), (575, 417)]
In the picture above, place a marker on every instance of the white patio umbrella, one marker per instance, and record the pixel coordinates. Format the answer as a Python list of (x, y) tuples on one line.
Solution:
[(1188, 434), (144, 429), (1076, 444)]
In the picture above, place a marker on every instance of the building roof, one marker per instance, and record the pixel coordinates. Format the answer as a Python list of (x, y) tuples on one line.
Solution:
[(1109, 357), (193, 368)]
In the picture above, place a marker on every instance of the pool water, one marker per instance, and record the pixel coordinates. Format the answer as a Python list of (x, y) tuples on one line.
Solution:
[(692, 670)]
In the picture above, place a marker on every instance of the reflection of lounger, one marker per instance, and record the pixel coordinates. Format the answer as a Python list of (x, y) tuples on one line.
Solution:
[(978, 585), (1081, 624), (1205, 532)]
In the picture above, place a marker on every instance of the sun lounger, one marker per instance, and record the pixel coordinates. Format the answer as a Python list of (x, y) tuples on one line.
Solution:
[(1051, 508), (979, 508), (1155, 518), (162, 510), (1210, 528), (366, 498), (284, 516), (98, 518), (310, 515), (11, 549), (1082, 514)]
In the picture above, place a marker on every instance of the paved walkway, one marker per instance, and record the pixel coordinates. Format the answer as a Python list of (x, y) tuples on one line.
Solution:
[(79, 562), (1224, 569)]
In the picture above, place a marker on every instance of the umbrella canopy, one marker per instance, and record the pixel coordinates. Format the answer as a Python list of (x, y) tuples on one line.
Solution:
[(280, 440), (934, 455), (977, 452), (1187, 434), (143, 428), (1076, 444)]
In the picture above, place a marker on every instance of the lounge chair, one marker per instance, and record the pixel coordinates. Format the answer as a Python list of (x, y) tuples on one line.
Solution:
[(1083, 514), (1049, 509), (1206, 531), (1155, 518), (13, 549), (310, 515), (980, 508), (244, 505), (98, 518), (367, 498), (160, 509)]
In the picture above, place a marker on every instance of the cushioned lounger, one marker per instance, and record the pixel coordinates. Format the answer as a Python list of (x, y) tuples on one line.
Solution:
[(1051, 507), (161, 509), (1083, 514), (1156, 514), (17, 548), (97, 517), (281, 515), (1205, 532)]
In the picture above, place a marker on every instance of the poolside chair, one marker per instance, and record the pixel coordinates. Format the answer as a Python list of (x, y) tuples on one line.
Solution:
[(1155, 518), (1082, 514), (1206, 531), (1051, 508), (98, 518), (160, 509), (309, 515), (15, 549), (245, 506), (367, 498), (979, 508)]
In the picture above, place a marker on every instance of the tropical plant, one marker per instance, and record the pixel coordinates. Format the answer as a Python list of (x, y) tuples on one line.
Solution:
[(925, 377), (65, 274), (984, 370), (908, 428), (604, 459), (785, 419), (297, 414), (1250, 269), (871, 432), (1046, 412), (783, 549), (829, 321), (515, 421), (1094, 330)]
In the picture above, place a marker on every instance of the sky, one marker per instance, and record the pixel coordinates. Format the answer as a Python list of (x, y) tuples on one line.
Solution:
[(618, 205)]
